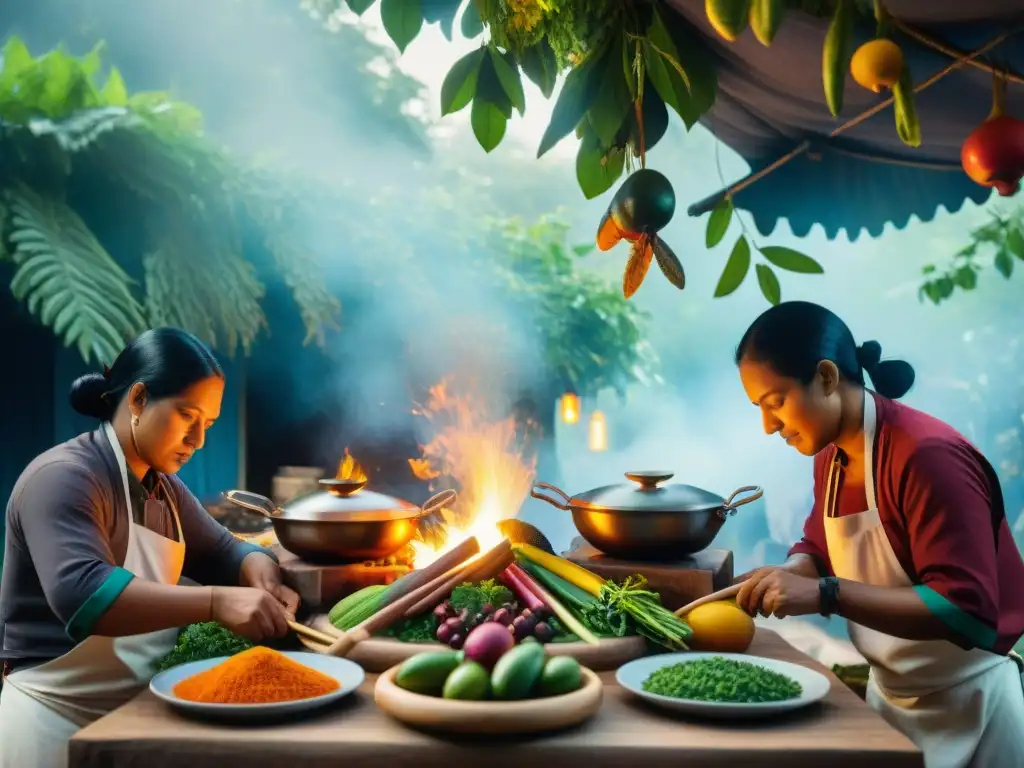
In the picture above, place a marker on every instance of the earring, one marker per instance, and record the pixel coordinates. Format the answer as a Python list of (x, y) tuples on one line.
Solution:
[(135, 421)]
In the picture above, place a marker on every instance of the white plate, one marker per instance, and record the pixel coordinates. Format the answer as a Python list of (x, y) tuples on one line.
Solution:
[(815, 686), (348, 674)]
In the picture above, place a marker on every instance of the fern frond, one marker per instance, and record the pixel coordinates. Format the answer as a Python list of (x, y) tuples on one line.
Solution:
[(67, 279)]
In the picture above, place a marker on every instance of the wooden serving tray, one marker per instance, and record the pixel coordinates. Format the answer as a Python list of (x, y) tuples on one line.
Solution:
[(489, 717), (381, 653)]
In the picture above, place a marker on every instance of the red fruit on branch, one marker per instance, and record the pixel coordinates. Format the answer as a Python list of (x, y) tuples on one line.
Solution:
[(993, 155)]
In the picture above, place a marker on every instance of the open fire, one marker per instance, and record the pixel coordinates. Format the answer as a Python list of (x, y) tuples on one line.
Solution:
[(481, 457), (350, 469)]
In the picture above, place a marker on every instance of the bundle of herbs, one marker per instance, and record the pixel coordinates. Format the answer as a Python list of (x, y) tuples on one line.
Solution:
[(645, 611)]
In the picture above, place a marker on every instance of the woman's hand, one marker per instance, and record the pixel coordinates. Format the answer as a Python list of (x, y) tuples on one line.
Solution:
[(777, 591), (251, 613), (261, 572)]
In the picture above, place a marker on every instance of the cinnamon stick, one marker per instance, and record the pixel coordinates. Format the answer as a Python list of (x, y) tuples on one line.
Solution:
[(491, 562), (416, 579)]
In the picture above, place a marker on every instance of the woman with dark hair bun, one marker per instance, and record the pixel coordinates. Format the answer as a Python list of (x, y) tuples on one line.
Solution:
[(100, 532), (907, 539)]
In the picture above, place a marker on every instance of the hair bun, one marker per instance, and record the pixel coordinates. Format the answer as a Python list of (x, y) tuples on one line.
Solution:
[(86, 396), (869, 355)]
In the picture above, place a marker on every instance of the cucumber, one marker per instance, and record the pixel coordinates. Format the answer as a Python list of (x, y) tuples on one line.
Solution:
[(516, 674), (469, 681), (561, 675), (349, 611), (426, 673)]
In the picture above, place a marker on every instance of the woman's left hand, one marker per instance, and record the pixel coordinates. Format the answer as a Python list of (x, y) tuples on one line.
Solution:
[(260, 571), (778, 592)]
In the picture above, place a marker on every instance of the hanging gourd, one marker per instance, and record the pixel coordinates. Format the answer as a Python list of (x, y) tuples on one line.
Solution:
[(993, 155)]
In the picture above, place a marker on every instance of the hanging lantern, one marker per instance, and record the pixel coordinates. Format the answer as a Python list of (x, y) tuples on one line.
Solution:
[(570, 406), (598, 432)]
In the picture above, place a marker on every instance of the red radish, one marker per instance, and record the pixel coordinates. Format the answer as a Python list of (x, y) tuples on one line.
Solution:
[(488, 643), (993, 155), (512, 577)]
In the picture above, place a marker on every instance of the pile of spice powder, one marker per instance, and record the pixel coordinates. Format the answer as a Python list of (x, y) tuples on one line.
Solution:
[(256, 676)]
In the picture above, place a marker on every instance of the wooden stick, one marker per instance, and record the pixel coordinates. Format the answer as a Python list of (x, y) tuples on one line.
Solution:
[(387, 616), (312, 634), (484, 567), (416, 579), (722, 594)]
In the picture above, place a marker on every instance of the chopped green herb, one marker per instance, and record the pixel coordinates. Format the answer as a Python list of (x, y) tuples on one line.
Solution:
[(415, 629), (198, 642), (722, 680), (476, 596)]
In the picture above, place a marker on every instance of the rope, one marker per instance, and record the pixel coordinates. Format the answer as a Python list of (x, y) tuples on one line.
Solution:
[(948, 50), (704, 205)]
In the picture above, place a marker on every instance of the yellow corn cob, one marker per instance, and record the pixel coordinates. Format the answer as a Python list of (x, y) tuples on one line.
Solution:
[(574, 574)]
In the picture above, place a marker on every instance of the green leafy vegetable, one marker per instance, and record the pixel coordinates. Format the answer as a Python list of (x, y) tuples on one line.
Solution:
[(722, 680), (198, 642), (475, 596), (415, 629), (643, 607)]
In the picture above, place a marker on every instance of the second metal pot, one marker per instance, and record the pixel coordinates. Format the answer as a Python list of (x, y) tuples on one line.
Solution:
[(343, 522), (647, 521)]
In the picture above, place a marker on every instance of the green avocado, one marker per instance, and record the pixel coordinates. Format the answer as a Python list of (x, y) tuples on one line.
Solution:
[(426, 673), (516, 674)]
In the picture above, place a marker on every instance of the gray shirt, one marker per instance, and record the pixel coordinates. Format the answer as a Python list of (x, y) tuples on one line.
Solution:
[(67, 537)]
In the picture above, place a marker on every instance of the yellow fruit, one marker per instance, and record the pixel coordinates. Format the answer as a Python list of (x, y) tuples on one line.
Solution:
[(877, 65), (721, 627)]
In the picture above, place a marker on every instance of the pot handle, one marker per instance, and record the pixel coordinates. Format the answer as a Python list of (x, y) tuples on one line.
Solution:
[(439, 500), (253, 502), (729, 508), (554, 502)]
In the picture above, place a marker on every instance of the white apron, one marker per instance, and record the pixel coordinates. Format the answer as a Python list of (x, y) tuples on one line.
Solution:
[(42, 707), (963, 709)]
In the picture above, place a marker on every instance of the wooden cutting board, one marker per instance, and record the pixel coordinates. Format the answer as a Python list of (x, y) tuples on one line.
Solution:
[(381, 653), (678, 582)]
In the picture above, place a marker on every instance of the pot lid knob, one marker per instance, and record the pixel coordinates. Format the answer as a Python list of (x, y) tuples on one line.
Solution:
[(341, 487), (649, 480)]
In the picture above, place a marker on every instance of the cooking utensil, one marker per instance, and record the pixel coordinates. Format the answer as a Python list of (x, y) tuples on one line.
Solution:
[(342, 522), (520, 532), (723, 594), (312, 634), (647, 521)]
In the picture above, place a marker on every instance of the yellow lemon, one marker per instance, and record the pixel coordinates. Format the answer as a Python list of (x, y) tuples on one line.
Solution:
[(877, 65), (721, 627)]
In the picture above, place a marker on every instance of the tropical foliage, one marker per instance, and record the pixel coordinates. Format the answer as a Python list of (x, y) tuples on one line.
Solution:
[(67, 141), (628, 64)]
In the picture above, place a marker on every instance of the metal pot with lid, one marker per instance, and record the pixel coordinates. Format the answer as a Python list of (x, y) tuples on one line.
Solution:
[(344, 522), (647, 519)]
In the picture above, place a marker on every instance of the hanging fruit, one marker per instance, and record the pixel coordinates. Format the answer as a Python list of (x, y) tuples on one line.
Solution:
[(728, 17), (877, 65), (993, 155), (643, 206)]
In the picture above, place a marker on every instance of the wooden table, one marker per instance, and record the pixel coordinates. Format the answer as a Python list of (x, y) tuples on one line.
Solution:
[(839, 732)]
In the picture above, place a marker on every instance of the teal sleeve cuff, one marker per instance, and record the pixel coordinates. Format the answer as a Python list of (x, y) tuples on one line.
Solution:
[(977, 632), (81, 624), (241, 550)]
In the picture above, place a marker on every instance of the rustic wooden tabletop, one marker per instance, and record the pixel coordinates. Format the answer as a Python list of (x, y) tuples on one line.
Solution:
[(841, 731)]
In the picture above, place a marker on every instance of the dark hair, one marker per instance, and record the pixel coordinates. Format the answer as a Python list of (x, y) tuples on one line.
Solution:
[(167, 360), (793, 337)]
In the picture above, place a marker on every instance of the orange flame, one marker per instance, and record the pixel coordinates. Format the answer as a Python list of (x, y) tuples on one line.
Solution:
[(570, 408), (349, 469), (480, 455)]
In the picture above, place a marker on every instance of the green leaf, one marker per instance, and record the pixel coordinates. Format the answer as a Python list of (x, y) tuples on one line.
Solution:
[(489, 124), (613, 103), (442, 12), (769, 284), (539, 63), (966, 278), (115, 93), (583, 249), (471, 23), (1015, 241), (693, 57), (577, 97), (402, 20), (359, 7), (597, 169), (718, 222), (790, 260), (736, 268), (489, 88), (459, 86), (1004, 262), (509, 78), (666, 72)]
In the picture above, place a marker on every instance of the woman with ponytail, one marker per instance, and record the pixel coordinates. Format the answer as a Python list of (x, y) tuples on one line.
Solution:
[(100, 532), (907, 539)]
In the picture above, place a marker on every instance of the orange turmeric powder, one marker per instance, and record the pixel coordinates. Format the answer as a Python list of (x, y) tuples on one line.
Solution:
[(256, 676)]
